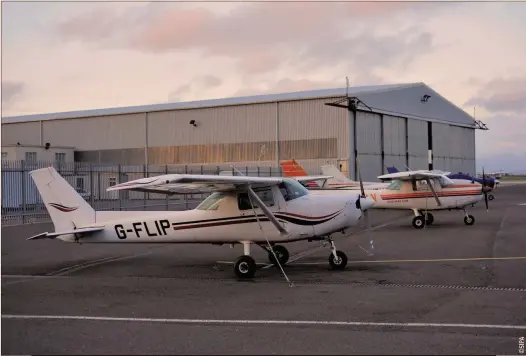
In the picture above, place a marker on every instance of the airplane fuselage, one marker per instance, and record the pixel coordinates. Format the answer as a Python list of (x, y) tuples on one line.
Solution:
[(221, 218)]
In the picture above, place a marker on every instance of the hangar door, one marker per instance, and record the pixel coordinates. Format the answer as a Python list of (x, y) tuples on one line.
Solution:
[(394, 142), (417, 147), (369, 145)]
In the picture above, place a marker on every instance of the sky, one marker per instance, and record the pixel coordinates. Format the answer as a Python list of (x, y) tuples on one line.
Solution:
[(64, 56)]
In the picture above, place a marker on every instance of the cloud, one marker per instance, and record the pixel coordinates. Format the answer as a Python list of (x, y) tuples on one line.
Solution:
[(501, 96), (262, 37), (200, 83), (10, 91)]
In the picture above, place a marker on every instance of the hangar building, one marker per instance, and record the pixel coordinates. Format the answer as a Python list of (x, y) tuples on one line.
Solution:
[(402, 125)]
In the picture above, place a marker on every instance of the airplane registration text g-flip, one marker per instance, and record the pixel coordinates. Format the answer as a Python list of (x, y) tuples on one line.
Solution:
[(143, 229)]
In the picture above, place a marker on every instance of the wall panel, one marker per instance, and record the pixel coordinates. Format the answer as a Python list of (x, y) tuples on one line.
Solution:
[(417, 144), (27, 133), (312, 119), (97, 133), (230, 124)]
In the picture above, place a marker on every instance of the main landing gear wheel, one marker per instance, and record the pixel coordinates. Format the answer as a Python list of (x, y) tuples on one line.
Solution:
[(469, 220), (281, 253), (245, 267), (491, 197), (418, 222), (429, 218), (338, 263)]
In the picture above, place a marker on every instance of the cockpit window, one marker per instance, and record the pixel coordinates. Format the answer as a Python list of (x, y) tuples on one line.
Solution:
[(395, 185), (265, 194), (292, 189), (212, 202), (445, 181)]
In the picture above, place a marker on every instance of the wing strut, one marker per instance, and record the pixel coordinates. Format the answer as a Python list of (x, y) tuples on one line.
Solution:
[(433, 191), (266, 211)]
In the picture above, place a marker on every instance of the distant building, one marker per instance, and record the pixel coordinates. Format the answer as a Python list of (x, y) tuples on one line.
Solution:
[(402, 125)]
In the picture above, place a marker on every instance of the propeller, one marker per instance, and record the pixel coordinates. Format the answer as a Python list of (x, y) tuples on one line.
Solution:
[(364, 204), (485, 189)]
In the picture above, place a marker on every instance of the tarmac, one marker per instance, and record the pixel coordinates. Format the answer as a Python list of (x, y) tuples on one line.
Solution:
[(448, 288)]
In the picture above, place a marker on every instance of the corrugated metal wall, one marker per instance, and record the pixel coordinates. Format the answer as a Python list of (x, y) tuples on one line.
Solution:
[(394, 142), (369, 144), (307, 129), (417, 147), (453, 148), (27, 133), (101, 133)]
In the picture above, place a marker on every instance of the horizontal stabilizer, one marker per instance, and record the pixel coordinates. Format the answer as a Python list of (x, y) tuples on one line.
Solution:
[(52, 235)]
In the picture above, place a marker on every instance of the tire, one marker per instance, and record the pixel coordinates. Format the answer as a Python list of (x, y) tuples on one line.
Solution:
[(418, 222), (245, 267), (490, 197), (429, 219), (281, 252), (338, 265), (469, 220)]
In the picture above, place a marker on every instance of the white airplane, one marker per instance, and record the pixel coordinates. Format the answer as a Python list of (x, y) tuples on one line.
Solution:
[(244, 210), (293, 169), (412, 190)]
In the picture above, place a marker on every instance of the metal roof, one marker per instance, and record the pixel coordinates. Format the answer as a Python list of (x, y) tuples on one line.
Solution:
[(299, 95)]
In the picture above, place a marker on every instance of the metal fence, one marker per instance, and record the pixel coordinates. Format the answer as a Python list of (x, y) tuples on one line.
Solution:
[(22, 204)]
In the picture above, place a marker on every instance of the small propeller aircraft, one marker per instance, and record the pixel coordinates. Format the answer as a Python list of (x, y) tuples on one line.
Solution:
[(245, 210), (489, 183), (412, 190), (338, 180)]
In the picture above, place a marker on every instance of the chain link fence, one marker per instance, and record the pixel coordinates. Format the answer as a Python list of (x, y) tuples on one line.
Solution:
[(22, 204)]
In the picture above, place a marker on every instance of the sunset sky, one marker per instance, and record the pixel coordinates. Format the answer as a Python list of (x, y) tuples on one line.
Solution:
[(74, 56)]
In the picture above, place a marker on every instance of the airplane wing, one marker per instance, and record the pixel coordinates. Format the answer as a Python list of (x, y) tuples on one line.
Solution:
[(410, 175), (193, 183), (52, 235), (310, 178)]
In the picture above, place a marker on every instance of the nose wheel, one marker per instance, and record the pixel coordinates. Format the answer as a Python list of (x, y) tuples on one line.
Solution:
[(469, 219), (337, 258), (245, 267)]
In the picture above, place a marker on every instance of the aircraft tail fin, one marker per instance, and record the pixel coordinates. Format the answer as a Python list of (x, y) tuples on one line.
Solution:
[(338, 176), (67, 209), (291, 168), (392, 170)]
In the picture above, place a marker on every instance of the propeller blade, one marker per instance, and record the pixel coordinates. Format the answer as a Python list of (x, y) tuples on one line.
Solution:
[(484, 189), (360, 176)]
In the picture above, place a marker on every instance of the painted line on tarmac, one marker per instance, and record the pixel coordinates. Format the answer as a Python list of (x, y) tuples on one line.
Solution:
[(261, 322), (401, 261)]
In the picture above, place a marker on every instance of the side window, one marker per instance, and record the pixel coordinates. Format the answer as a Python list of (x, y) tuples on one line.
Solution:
[(266, 196), (395, 185), (292, 189)]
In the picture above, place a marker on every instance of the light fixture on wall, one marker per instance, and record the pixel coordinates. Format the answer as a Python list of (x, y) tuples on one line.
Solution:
[(193, 123), (425, 98), (47, 145)]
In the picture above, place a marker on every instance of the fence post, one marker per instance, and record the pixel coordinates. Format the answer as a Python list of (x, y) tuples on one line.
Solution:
[(144, 175), (23, 170), (118, 182), (166, 195)]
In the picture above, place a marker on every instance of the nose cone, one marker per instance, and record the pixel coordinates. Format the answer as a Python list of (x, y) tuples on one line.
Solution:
[(366, 203)]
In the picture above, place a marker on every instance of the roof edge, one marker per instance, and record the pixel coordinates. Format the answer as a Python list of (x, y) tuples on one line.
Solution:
[(207, 103)]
